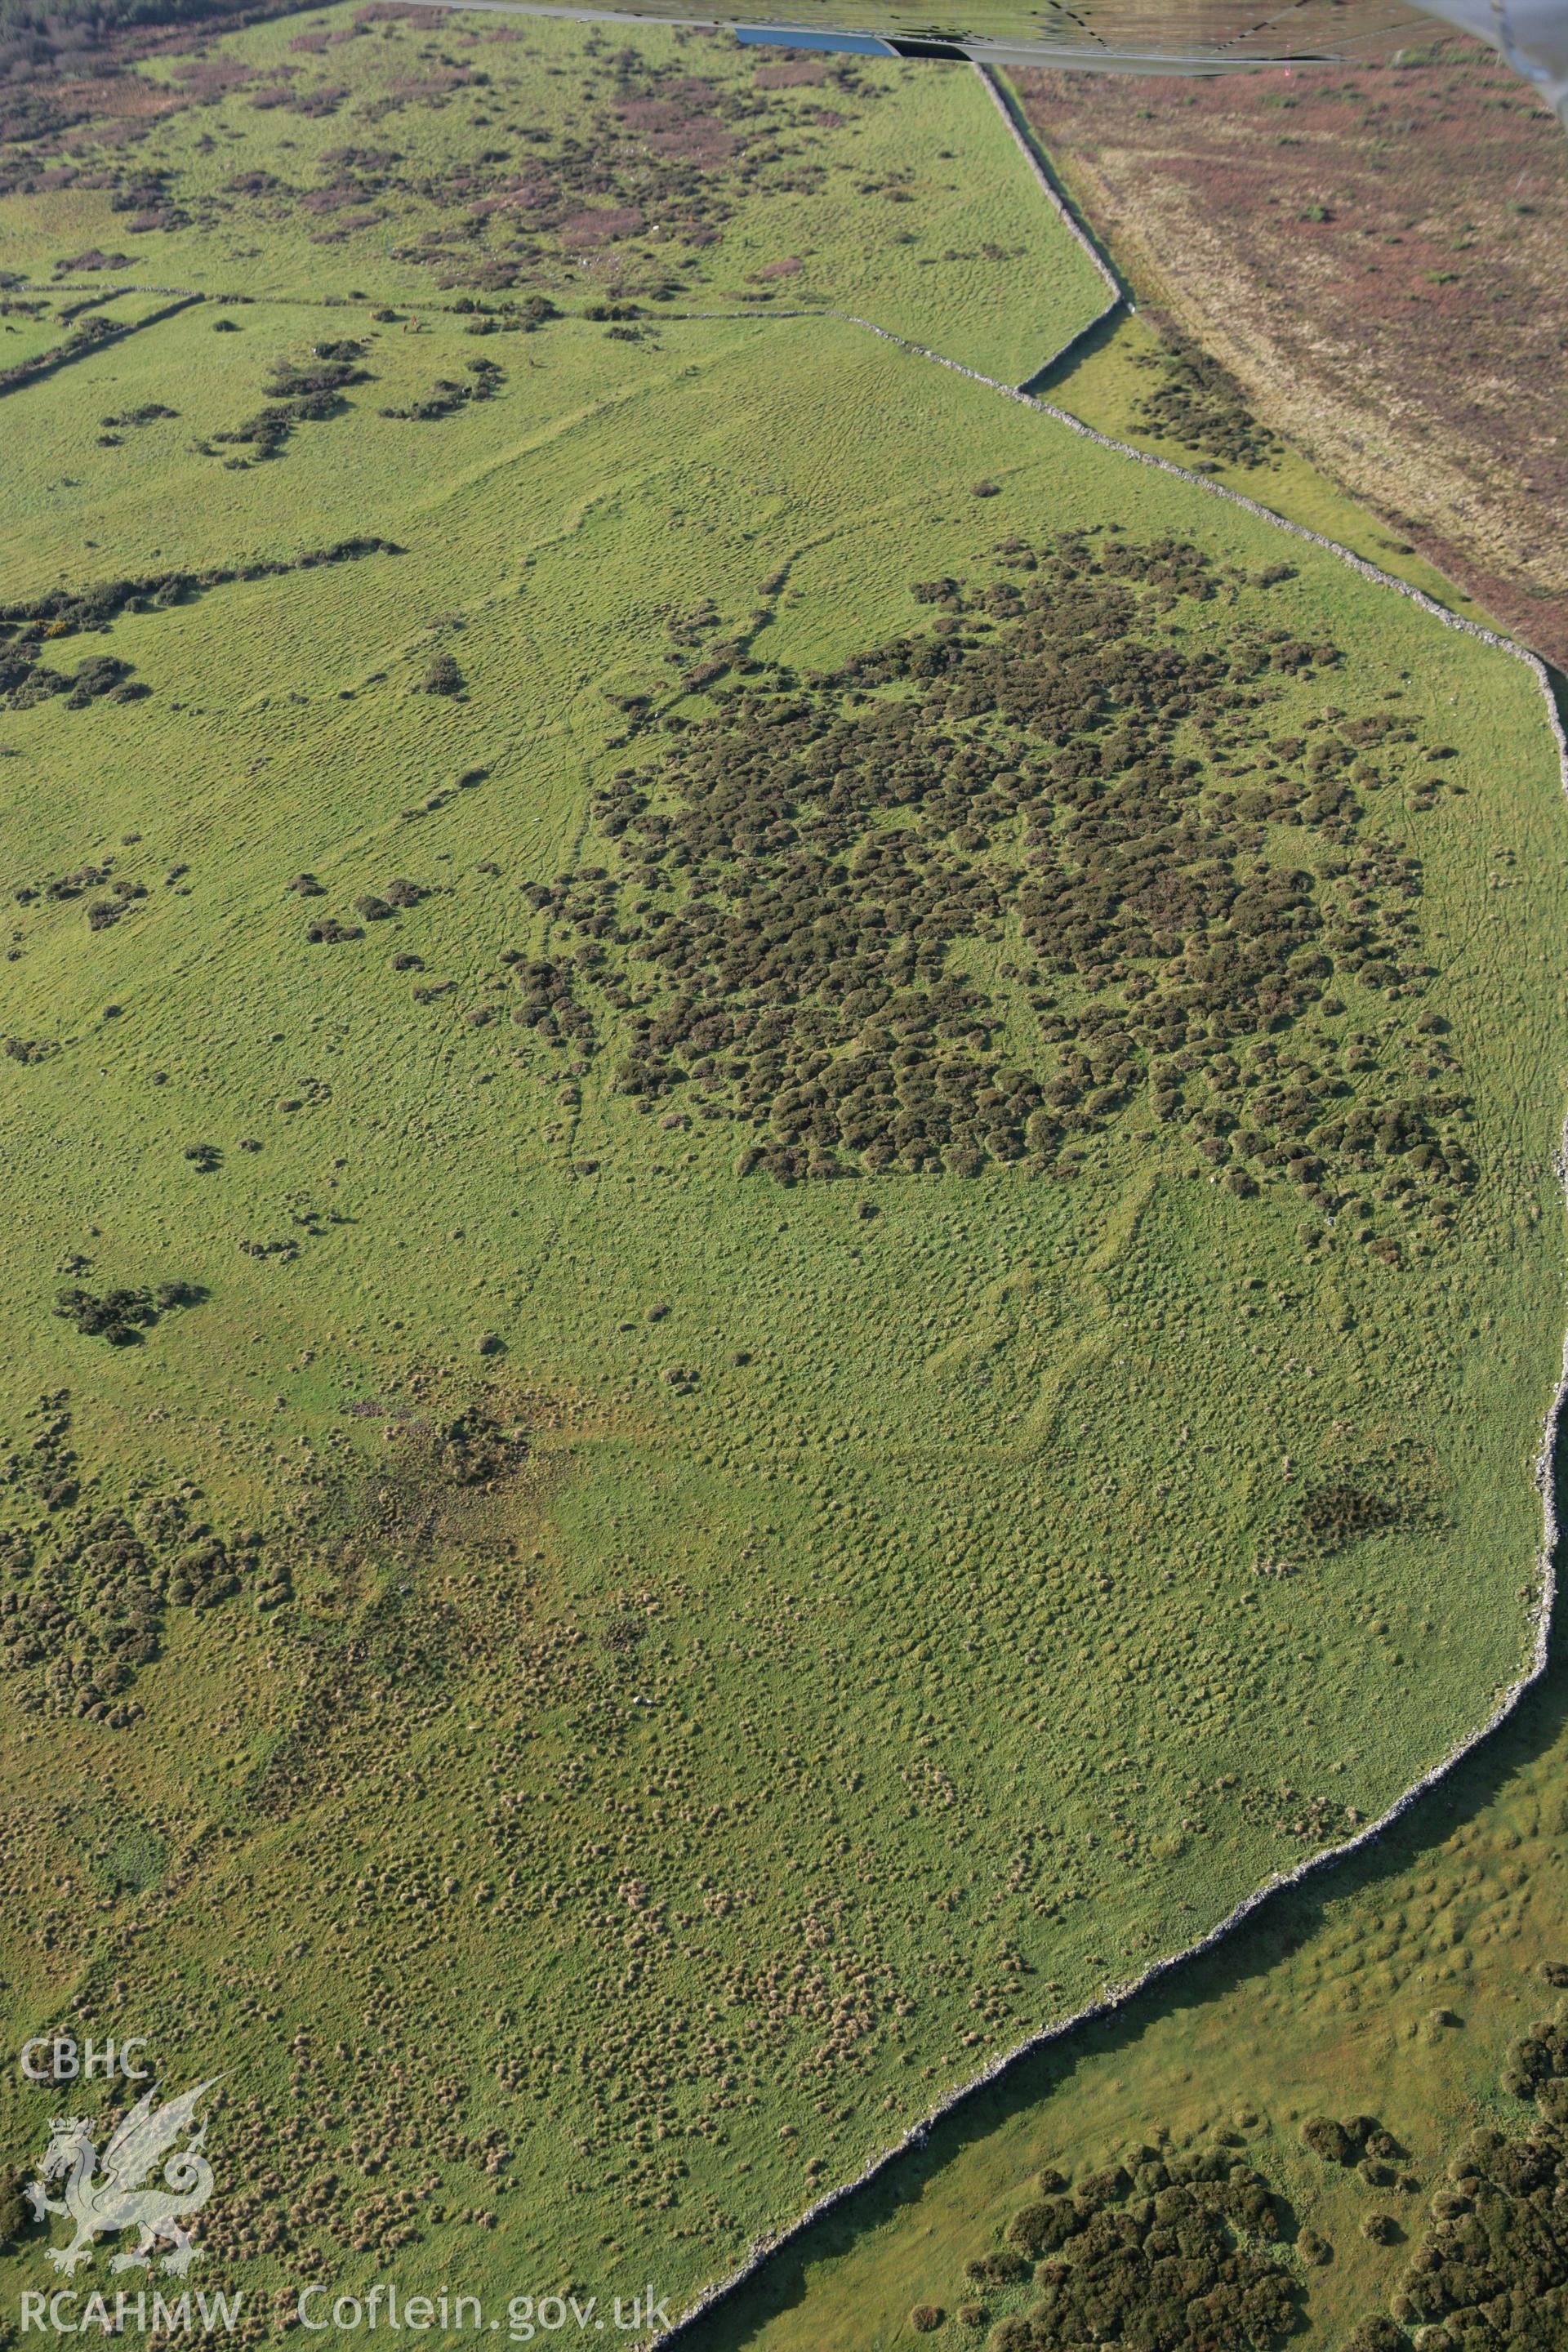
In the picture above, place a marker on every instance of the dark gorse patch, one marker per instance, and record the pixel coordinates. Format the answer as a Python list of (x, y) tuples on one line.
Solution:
[(1175, 2254), (28, 625), (298, 391), (121, 1316), (86, 1590), (981, 892), (1491, 2268), (1196, 401)]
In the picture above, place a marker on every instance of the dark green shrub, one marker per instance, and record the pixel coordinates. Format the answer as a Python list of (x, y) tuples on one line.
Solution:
[(1328, 2139), (122, 1316), (999, 2268), (182, 1294), (1041, 2228), (1377, 2333)]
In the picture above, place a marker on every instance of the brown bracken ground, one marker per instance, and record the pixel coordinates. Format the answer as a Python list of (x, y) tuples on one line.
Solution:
[(1377, 255)]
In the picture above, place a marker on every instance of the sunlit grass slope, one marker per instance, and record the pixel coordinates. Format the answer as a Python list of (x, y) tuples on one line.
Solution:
[(321, 156), (659, 1674)]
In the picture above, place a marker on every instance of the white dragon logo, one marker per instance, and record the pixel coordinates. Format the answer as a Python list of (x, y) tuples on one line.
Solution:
[(116, 2198)]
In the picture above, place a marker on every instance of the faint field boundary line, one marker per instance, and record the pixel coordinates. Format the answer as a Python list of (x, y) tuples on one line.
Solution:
[(1118, 1996)]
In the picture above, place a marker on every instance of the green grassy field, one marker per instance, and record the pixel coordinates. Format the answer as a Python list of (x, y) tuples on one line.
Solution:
[(322, 158), (596, 1685), (1110, 385), (1398, 1986)]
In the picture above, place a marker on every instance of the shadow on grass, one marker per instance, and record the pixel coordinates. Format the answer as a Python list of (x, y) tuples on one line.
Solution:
[(1058, 372), (1281, 1926), (1557, 687)]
